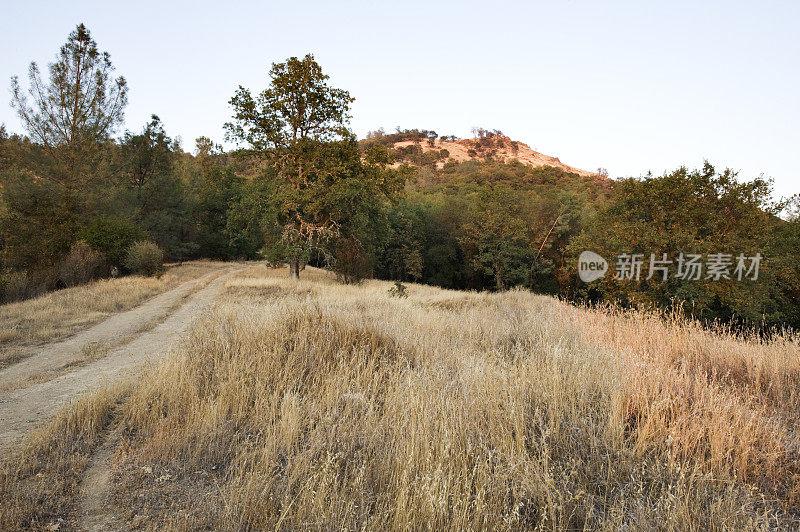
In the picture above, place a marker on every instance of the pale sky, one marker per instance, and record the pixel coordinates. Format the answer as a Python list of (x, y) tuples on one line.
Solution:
[(628, 86)]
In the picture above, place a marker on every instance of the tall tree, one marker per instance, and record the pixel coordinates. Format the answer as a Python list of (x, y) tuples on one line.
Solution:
[(496, 238), (145, 159), (69, 117), (290, 122), (74, 112)]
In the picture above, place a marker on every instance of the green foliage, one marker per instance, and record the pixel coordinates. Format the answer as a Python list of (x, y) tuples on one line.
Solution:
[(214, 191), (378, 154), (144, 258), (496, 238), (169, 225), (701, 212), (320, 188), (304, 191), (783, 252), (292, 122), (486, 225), (298, 104), (403, 252), (398, 290), (40, 221), (161, 205), (73, 112), (112, 236), (50, 183), (145, 159), (251, 220)]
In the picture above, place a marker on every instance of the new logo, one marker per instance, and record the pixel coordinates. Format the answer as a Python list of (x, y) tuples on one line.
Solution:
[(591, 266)]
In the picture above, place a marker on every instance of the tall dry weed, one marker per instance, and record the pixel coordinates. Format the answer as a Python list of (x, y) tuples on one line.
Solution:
[(318, 405)]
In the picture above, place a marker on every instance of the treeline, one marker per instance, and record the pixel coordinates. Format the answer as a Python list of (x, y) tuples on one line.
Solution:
[(489, 225), (78, 202), (143, 188)]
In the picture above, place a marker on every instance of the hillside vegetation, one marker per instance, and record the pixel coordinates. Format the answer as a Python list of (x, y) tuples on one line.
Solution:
[(314, 404), (87, 197), (423, 147)]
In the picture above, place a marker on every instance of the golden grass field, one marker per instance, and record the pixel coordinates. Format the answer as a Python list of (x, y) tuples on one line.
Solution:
[(312, 404), (58, 314)]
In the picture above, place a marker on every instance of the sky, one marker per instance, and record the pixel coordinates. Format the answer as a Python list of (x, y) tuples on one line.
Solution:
[(633, 87)]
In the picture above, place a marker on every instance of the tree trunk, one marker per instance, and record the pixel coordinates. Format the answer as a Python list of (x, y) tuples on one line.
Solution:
[(294, 268), (498, 276)]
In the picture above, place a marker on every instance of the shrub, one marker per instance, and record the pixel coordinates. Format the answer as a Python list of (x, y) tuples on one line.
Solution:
[(351, 262), (17, 285), (398, 290), (112, 236), (144, 258), (81, 265), (14, 286)]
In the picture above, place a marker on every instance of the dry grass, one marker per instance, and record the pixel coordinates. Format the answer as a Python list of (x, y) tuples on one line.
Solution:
[(39, 483), (61, 313), (318, 405)]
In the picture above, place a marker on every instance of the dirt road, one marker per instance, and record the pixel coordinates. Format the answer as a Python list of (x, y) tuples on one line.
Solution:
[(133, 338)]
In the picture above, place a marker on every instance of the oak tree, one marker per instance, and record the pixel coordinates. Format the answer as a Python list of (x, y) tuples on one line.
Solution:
[(291, 122)]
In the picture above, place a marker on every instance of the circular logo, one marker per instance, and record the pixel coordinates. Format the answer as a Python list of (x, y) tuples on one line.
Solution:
[(591, 266)]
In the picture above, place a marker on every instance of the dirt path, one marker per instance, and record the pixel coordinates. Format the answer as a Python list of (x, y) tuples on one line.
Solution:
[(49, 360), (95, 510), (27, 408)]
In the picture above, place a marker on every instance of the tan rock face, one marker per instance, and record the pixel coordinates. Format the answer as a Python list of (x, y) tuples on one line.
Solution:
[(499, 147)]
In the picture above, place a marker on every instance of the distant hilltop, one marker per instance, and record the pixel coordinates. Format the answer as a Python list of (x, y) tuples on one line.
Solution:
[(421, 147)]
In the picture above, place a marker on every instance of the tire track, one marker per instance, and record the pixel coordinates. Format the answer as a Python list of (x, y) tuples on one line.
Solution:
[(26, 409), (111, 333)]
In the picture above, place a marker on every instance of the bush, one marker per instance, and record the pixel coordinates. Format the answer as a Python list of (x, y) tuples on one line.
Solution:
[(14, 286), (81, 265), (351, 263), (144, 258), (398, 290), (17, 285), (112, 236)]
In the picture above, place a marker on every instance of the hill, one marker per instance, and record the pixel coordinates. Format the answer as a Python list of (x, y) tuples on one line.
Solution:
[(425, 147)]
